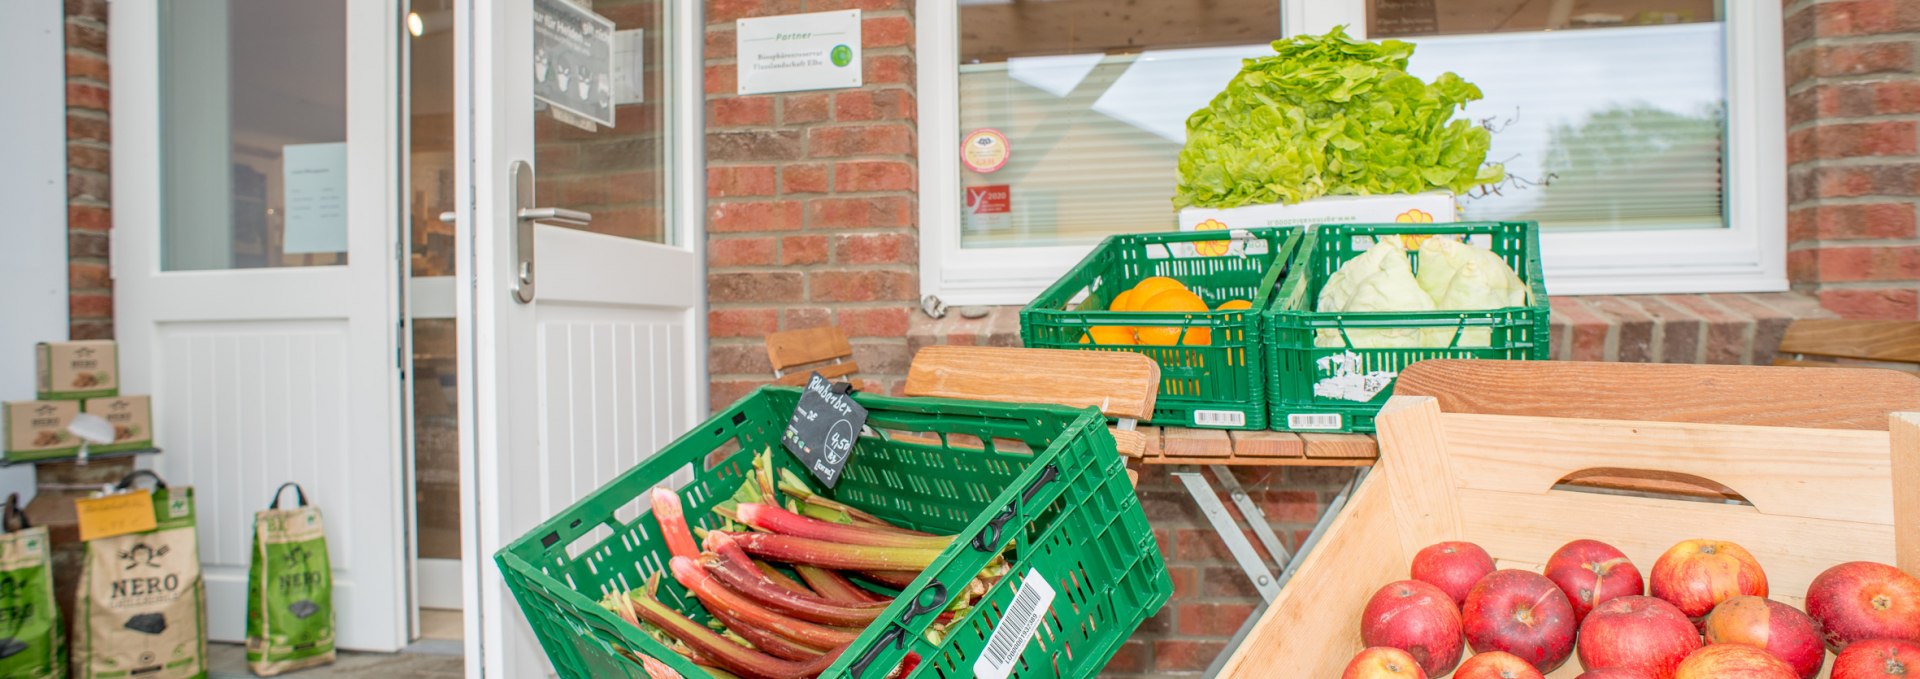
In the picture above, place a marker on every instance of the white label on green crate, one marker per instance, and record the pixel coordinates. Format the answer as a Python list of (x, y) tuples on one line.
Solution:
[(1313, 421), (1016, 628), (1219, 418), (1349, 380)]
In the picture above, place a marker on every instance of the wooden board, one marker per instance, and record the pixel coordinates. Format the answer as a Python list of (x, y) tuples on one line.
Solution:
[(829, 371), (1892, 341), (1264, 461), (1152, 435), (1119, 383), (1267, 444), (1129, 443), (1201, 443), (1818, 498), (1718, 394), (1340, 446), (812, 345)]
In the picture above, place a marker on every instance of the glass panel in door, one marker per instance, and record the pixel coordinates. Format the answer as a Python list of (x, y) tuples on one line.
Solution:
[(253, 134), (600, 123)]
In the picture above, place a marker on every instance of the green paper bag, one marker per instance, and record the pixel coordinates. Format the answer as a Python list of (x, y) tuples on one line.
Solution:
[(32, 641), (141, 607), (289, 589)]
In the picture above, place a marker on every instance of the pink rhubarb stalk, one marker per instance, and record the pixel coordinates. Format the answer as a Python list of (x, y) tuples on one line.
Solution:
[(834, 555), (746, 662), (776, 520), (833, 585), (693, 576), (809, 607), (764, 639), (673, 523), (894, 579), (785, 581)]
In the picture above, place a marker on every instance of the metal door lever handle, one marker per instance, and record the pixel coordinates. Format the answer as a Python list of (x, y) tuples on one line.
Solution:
[(555, 214)]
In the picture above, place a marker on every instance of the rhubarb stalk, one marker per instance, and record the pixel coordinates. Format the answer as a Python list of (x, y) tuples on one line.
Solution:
[(712, 594), (890, 578), (673, 523), (809, 607), (746, 662), (776, 520), (792, 549), (833, 585), (764, 639), (785, 581)]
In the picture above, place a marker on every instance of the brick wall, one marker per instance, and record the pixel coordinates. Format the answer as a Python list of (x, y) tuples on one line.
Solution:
[(1853, 111), (811, 210), (90, 289)]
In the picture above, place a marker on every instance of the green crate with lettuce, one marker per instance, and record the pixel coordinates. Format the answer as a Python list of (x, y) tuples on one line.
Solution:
[(1331, 130)]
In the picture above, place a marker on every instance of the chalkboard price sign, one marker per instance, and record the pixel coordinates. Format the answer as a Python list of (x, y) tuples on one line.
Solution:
[(824, 426)]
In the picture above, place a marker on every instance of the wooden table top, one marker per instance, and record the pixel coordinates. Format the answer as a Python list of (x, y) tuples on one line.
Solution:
[(1178, 445)]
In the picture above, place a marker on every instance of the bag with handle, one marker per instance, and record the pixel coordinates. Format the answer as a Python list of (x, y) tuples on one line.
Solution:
[(32, 640), (141, 604), (289, 589)]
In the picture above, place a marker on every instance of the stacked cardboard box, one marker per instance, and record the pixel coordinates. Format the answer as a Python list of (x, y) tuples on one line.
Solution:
[(74, 377)]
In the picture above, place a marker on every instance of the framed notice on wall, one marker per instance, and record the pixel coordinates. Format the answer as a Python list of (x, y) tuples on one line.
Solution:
[(573, 60), (797, 52)]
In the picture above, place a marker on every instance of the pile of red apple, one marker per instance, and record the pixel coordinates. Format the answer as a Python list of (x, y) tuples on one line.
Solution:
[(1707, 617)]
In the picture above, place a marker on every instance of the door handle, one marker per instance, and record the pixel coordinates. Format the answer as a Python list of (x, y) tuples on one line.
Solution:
[(555, 214), (523, 221)]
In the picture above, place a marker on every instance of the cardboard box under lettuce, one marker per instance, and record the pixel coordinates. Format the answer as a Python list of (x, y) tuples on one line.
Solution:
[(37, 430), (132, 420), (77, 370)]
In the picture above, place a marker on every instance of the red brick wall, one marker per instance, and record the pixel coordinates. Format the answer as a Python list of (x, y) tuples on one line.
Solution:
[(90, 290), (1853, 111), (811, 209)]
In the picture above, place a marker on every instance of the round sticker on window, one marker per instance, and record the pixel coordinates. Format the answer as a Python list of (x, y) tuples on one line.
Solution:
[(985, 150)]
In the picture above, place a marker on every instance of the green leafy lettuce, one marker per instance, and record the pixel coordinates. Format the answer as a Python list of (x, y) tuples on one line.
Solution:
[(1329, 115)]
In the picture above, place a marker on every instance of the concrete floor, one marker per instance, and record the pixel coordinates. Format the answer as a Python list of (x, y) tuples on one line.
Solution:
[(428, 660)]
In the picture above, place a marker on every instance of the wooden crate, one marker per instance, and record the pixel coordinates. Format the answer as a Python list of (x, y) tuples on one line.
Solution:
[(1812, 498)]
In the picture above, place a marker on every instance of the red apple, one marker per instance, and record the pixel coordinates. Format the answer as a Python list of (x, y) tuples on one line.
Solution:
[(1639, 633), (1697, 575), (1613, 673), (1453, 567), (1762, 623), (1733, 661), (1878, 659), (1418, 618), (1590, 572), (1381, 662), (1523, 613), (1496, 665), (1862, 600)]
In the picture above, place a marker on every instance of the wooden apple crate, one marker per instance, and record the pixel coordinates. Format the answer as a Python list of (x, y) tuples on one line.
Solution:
[(1799, 465)]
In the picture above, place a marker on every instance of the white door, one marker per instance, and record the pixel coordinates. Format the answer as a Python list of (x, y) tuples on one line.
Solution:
[(255, 278), (591, 363)]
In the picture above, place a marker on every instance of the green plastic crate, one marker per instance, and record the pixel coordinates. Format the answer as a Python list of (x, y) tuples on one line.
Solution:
[(1220, 385), (1297, 362), (1061, 494)]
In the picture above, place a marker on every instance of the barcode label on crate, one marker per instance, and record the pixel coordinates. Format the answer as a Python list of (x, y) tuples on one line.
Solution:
[(1313, 421), (1016, 628), (1219, 418)]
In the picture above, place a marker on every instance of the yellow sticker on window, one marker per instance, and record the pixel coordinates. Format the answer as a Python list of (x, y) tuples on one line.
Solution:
[(105, 517)]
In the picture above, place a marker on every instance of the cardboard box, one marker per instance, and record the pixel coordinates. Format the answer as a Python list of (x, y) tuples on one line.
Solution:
[(132, 420), (78, 369), (1436, 207), (37, 430)]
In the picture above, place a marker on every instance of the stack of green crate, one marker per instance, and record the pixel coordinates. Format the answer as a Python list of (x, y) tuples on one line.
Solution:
[(1319, 381), (1216, 382)]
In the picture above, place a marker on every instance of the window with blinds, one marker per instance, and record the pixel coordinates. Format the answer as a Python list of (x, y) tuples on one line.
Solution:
[(1609, 114)]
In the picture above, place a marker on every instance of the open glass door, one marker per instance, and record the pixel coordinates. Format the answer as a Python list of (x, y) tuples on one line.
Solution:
[(256, 279), (582, 295)]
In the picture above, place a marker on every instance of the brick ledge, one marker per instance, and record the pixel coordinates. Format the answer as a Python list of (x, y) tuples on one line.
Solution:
[(1717, 328)]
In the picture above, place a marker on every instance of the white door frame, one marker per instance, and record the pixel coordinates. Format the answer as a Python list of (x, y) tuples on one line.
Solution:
[(287, 317), (484, 354)]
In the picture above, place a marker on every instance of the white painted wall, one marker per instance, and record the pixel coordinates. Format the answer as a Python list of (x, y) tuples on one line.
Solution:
[(33, 187)]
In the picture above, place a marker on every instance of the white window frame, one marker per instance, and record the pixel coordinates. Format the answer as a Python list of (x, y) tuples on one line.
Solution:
[(1749, 255)]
